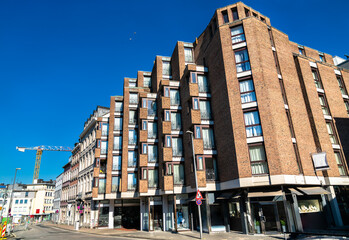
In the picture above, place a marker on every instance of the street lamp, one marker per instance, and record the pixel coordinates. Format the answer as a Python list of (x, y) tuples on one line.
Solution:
[(196, 179), (10, 203)]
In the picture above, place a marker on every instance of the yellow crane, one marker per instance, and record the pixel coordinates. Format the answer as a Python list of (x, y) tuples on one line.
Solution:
[(39, 150)]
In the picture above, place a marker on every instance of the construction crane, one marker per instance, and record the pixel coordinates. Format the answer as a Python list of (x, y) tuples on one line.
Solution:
[(39, 150)]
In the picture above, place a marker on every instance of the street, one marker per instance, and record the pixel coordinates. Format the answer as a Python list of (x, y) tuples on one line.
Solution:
[(54, 233)]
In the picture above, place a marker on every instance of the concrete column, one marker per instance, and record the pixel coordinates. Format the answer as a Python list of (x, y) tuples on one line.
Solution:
[(141, 210), (164, 212), (334, 207), (297, 216), (111, 214)]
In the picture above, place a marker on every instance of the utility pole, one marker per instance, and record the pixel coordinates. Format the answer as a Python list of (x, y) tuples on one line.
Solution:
[(10, 203), (196, 179)]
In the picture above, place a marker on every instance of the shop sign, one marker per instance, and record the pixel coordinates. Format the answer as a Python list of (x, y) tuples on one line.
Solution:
[(320, 161)]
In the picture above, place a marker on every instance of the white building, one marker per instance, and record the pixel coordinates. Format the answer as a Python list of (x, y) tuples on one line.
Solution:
[(57, 198)]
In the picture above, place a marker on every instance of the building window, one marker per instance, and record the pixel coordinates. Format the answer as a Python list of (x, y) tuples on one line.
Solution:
[(115, 184), (237, 34), (197, 132), (144, 125), (132, 159), (258, 160), (247, 91), (153, 178), (341, 85), (193, 77), (225, 16), (252, 123), (211, 169), (178, 174), (331, 133), (317, 79), (116, 163), (166, 68), (168, 141), (144, 174), (195, 103), (200, 163), (208, 138), (247, 12), (205, 110), (323, 104), (101, 186), (104, 129), (263, 19), (117, 143), (147, 81), (203, 84), (301, 50), (347, 106), (152, 153), (132, 137), (131, 181), (133, 98), (241, 60), (188, 55), (132, 83), (322, 57), (151, 107), (104, 147), (235, 14), (177, 147), (152, 130), (167, 91), (132, 118), (176, 122), (174, 96), (340, 165), (118, 124), (118, 106), (144, 148)]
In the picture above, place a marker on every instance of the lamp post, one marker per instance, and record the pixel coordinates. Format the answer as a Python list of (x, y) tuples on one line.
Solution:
[(196, 179), (10, 203)]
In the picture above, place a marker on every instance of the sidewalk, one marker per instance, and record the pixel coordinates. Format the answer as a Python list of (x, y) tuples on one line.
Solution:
[(189, 235)]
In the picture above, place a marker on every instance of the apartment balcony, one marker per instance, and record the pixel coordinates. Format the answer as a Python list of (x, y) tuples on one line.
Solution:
[(177, 152), (96, 172), (201, 175), (198, 146), (103, 169), (143, 160), (166, 127), (117, 147), (143, 135), (165, 103), (152, 158), (205, 115), (132, 121), (208, 145), (133, 101), (193, 90), (143, 113), (152, 135), (175, 126), (143, 186), (95, 192), (210, 175), (195, 116), (151, 112), (104, 151), (168, 183), (98, 134), (97, 152), (167, 154)]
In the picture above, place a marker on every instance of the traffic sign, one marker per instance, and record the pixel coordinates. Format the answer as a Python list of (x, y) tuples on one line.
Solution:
[(198, 202), (198, 195)]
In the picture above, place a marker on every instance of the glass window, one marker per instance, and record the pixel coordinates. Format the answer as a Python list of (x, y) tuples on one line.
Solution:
[(168, 141), (225, 16), (151, 107), (241, 60), (193, 77), (152, 178), (104, 129), (132, 117), (25, 201), (21, 201), (203, 84), (145, 148), (132, 137), (118, 106), (322, 57), (347, 106), (188, 55), (132, 84), (247, 91), (167, 115), (331, 133), (174, 96), (166, 68), (147, 82), (117, 143), (132, 159), (178, 174), (177, 147), (152, 130), (252, 123), (237, 34), (144, 125), (133, 98), (323, 104), (258, 159), (144, 176), (101, 185), (118, 124), (200, 163), (205, 110), (208, 138), (197, 132), (104, 147), (176, 121), (116, 163), (341, 85), (115, 184), (317, 80), (301, 51), (131, 181), (152, 153), (235, 14), (340, 164), (195, 103)]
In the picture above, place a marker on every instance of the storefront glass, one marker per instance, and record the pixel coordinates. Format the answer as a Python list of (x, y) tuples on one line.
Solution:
[(182, 217), (103, 217)]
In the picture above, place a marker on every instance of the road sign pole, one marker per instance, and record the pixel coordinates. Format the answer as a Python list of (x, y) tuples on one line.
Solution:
[(196, 180)]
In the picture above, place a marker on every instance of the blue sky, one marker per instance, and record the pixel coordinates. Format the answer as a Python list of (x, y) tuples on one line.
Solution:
[(60, 59)]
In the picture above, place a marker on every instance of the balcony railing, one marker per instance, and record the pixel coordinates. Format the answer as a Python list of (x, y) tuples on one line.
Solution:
[(205, 115), (203, 88), (132, 163), (132, 121), (132, 141), (175, 101), (152, 135), (210, 175)]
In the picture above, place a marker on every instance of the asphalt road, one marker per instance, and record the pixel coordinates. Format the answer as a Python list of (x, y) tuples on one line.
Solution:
[(53, 233)]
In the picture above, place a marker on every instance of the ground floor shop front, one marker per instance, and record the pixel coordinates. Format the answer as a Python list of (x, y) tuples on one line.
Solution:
[(252, 211)]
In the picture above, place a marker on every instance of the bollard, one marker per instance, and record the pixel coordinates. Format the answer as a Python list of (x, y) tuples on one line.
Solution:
[(77, 225)]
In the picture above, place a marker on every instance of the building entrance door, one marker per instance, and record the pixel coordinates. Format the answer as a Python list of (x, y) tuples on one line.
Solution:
[(269, 218)]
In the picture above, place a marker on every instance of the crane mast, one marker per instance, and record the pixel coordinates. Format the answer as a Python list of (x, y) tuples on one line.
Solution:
[(39, 150)]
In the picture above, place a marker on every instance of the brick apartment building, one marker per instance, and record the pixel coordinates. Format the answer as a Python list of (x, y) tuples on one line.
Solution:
[(269, 119)]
